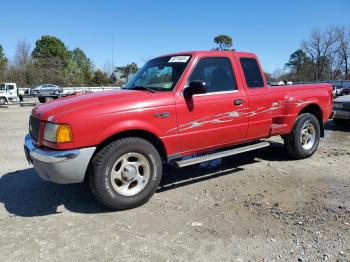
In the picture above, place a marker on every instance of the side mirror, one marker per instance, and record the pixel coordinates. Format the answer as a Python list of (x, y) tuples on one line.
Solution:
[(195, 87)]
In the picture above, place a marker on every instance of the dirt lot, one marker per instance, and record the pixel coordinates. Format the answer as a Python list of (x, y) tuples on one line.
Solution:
[(259, 206)]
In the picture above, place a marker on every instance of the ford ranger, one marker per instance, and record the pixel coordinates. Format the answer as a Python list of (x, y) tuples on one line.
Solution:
[(180, 109)]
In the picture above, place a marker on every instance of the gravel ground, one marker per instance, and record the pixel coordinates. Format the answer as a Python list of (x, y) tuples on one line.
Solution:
[(258, 206)]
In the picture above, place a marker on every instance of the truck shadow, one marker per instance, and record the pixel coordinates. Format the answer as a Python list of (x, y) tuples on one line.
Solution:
[(24, 194), (333, 127), (179, 177)]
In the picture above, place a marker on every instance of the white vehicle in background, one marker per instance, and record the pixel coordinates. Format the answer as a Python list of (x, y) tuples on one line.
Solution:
[(8, 93)]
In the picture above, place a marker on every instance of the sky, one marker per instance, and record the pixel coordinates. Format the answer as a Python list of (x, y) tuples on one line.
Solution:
[(136, 31)]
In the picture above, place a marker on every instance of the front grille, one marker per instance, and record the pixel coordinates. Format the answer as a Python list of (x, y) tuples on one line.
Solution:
[(338, 105), (346, 105), (34, 125)]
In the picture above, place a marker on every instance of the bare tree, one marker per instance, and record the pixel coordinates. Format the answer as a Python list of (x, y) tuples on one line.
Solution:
[(321, 48), (344, 49), (23, 54)]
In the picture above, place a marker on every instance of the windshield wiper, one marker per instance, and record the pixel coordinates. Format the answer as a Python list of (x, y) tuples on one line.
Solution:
[(144, 88)]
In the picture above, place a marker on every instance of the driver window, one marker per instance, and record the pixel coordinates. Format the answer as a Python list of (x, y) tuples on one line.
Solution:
[(216, 72)]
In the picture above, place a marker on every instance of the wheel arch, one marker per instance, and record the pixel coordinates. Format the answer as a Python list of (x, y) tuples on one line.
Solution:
[(315, 110), (152, 138)]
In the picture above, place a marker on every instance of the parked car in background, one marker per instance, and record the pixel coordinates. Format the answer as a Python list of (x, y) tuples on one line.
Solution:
[(337, 91), (346, 90), (47, 89), (341, 107)]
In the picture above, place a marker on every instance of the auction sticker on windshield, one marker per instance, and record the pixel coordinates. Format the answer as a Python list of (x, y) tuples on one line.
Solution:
[(179, 59)]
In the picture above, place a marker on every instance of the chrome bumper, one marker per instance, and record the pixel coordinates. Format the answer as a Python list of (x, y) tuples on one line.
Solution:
[(62, 167), (342, 114)]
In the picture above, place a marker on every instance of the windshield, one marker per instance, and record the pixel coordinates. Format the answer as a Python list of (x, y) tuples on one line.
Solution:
[(160, 74), (2, 87)]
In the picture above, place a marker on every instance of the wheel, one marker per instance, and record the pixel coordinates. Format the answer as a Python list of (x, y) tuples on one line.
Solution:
[(304, 138), (56, 92), (2, 101), (339, 121), (35, 92), (125, 173), (48, 99)]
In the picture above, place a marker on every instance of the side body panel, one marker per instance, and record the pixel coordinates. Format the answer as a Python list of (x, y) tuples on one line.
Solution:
[(289, 101)]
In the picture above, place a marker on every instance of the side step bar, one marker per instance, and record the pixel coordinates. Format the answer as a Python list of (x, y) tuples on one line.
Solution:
[(230, 152)]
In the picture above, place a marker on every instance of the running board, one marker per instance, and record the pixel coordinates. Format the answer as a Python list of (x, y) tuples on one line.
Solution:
[(230, 152)]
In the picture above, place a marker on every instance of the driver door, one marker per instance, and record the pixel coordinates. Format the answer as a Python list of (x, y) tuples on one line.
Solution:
[(215, 118)]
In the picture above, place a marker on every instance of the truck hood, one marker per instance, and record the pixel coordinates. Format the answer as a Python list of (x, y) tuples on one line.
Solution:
[(100, 103)]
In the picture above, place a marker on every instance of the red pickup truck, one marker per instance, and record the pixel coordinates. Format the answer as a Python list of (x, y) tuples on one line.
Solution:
[(176, 107)]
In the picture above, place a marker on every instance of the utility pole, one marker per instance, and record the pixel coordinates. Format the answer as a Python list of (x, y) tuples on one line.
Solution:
[(112, 54)]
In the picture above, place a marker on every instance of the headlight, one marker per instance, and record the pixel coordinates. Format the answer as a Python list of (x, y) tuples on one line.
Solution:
[(58, 133)]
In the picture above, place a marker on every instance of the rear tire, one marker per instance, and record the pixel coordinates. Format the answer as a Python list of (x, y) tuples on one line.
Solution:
[(341, 122), (125, 173), (304, 138)]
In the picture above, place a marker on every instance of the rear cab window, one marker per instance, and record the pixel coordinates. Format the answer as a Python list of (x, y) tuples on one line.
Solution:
[(252, 72)]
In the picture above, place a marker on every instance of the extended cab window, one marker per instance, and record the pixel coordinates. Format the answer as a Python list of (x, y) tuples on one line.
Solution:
[(252, 72), (216, 72)]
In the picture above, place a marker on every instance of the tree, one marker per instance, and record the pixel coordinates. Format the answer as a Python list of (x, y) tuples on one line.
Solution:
[(268, 76), (48, 47), (224, 42), (22, 55), (99, 78), (51, 56), (299, 65), (78, 70), (23, 71), (321, 48), (344, 49), (73, 74), (127, 71), (3, 61), (83, 62)]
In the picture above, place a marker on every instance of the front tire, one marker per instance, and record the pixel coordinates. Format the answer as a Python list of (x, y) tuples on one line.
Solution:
[(304, 138), (2, 101), (125, 173)]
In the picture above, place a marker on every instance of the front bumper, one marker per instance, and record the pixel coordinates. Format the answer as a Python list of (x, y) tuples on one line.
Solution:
[(342, 114), (62, 167)]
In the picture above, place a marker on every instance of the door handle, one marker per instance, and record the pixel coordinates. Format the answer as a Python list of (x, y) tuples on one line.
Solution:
[(238, 102)]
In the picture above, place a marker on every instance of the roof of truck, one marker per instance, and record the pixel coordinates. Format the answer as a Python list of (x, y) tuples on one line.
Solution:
[(210, 52)]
